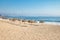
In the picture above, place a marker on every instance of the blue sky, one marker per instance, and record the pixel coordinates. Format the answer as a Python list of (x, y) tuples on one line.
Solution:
[(30, 7)]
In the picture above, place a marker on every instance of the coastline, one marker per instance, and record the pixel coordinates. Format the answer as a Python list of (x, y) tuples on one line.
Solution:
[(51, 23), (17, 30)]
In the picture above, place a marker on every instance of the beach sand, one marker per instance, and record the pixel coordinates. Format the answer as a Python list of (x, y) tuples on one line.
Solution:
[(27, 31)]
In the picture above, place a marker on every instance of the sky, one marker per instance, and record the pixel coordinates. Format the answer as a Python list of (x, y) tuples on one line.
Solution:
[(30, 7)]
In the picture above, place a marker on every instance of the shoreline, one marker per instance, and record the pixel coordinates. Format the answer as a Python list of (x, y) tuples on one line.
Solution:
[(28, 31), (51, 23)]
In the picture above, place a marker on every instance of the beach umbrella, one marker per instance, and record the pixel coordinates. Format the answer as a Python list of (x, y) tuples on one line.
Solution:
[(41, 21)]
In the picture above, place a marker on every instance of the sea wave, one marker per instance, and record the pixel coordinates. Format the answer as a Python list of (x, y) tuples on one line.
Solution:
[(52, 23)]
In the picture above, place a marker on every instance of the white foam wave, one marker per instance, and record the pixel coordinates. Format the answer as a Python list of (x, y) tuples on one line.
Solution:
[(52, 23)]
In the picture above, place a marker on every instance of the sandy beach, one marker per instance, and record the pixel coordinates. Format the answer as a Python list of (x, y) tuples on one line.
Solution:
[(10, 30)]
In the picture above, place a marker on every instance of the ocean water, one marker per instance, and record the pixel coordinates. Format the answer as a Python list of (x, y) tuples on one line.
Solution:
[(46, 19)]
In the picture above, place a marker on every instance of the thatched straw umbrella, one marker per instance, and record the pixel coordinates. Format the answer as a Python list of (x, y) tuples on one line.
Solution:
[(3, 17), (31, 21), (0, 15), (41, 21), (13, 19), (24, 20), (19, 19)]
